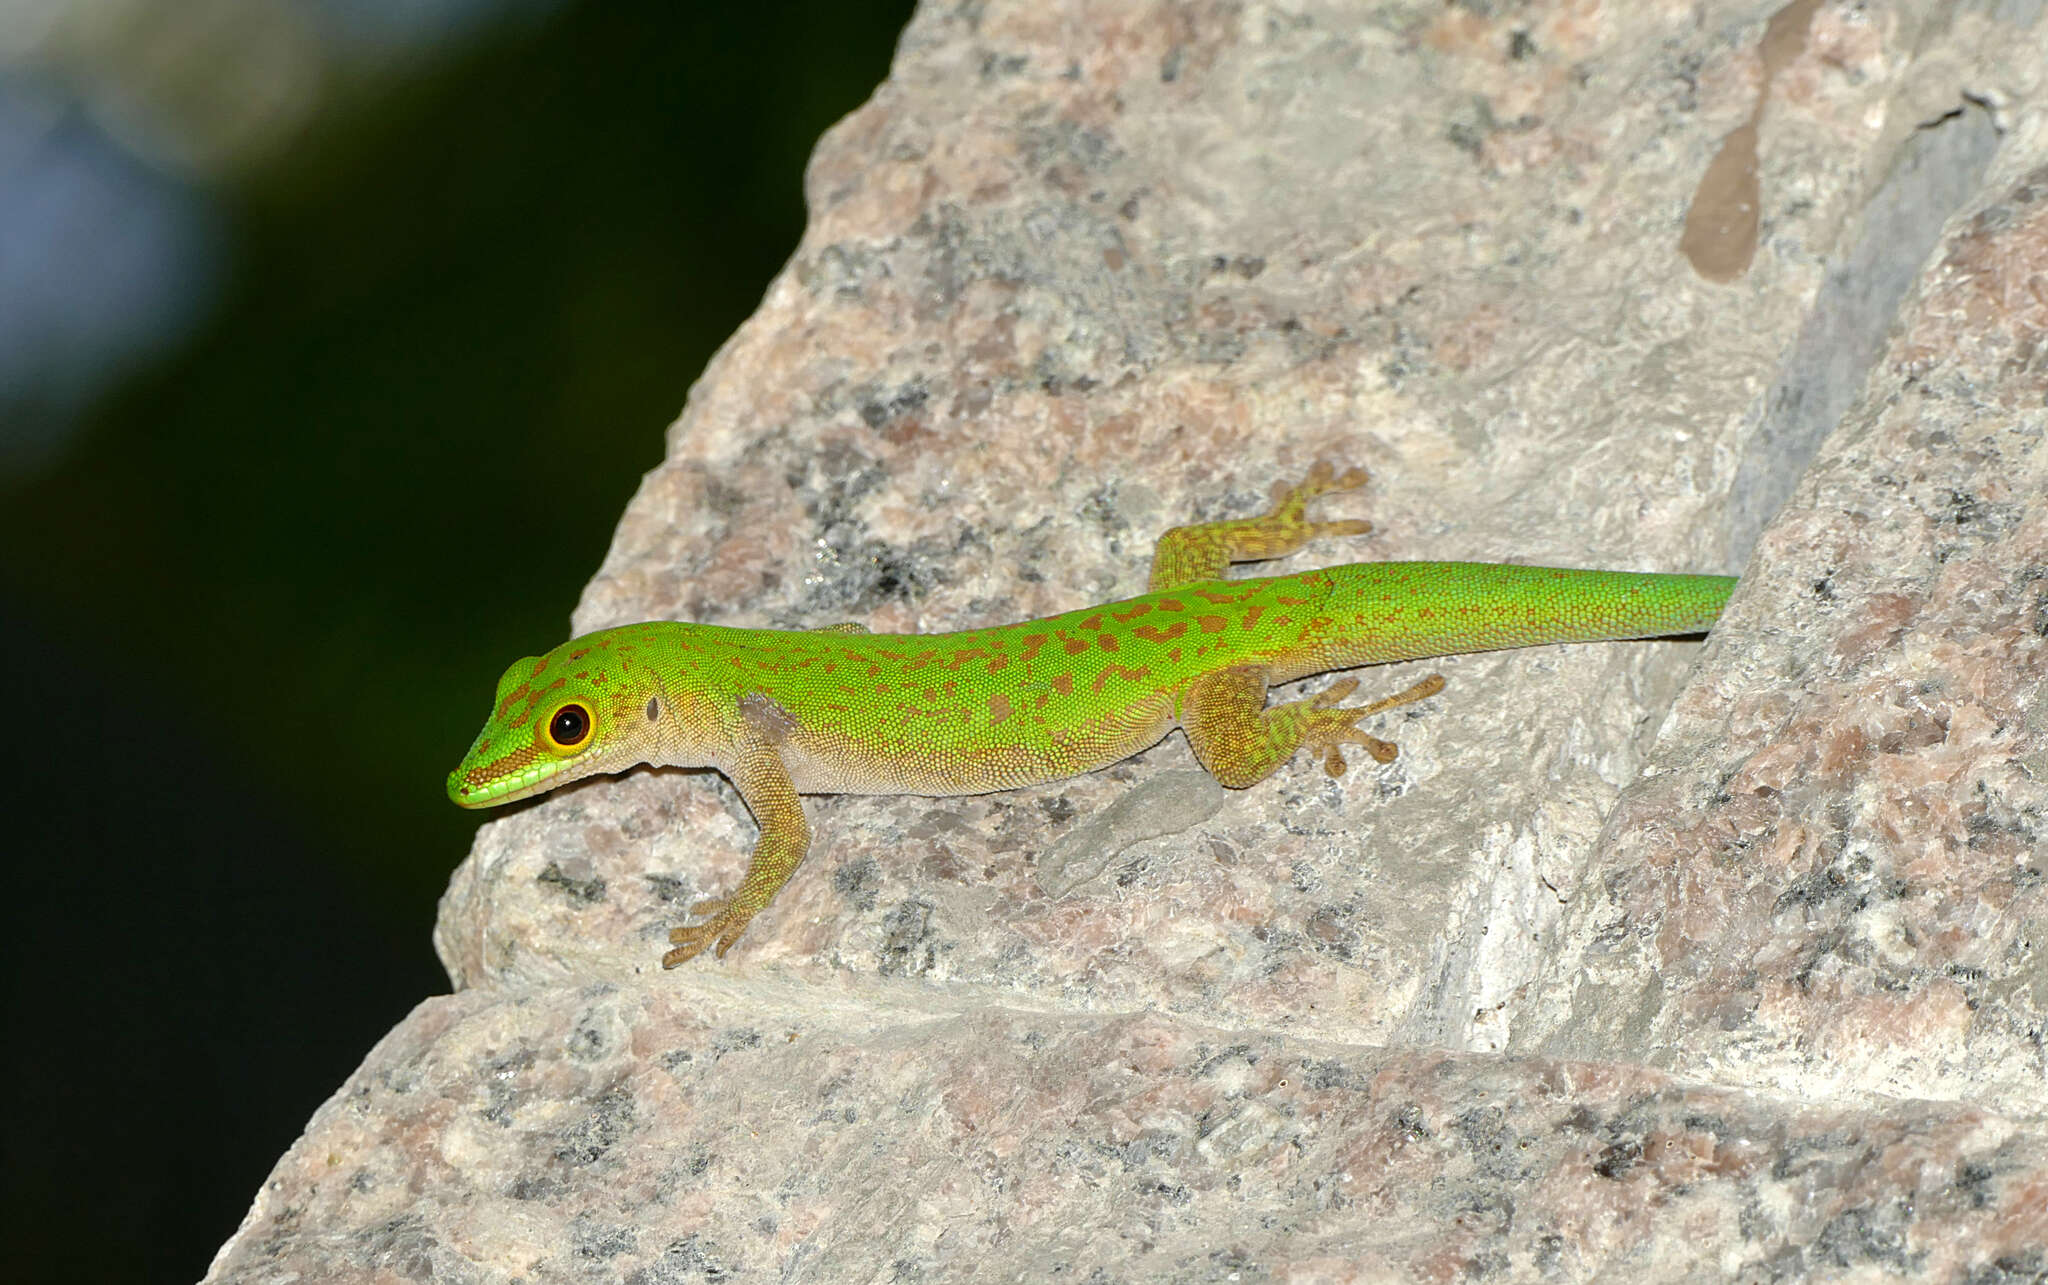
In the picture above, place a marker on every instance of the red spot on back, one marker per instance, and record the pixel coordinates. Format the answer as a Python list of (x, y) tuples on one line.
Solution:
[(1074, 646), (1118, 671), (1063, 684), (998, 708), (1153, 633), (1172, 604), (1211, 624), (1107, 642), (1126, 617), (1252, 614), (1032, 642)]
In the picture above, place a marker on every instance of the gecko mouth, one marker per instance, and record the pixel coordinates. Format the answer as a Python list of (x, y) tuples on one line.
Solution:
[(521, 773)]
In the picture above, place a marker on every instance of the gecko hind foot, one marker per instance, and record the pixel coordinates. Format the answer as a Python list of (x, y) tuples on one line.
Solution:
[(1205, 550), (1323, 479), (1333, 726), (1290, 502)]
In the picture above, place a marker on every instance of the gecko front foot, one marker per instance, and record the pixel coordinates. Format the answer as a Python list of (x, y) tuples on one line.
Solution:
[(1332, 726), (725, 924)]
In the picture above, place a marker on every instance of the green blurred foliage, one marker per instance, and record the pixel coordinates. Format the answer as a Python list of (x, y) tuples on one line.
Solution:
[(456, 325), (273, 582)]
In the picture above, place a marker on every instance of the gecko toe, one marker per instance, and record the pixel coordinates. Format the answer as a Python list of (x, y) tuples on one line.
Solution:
[(721, 925), (1323, 479), (1333, 693), (681, 954), (1344, 526), (1382, 751)]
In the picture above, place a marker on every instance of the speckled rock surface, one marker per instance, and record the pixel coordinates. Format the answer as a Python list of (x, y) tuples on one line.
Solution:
[(1643, 961), (1833, 875)]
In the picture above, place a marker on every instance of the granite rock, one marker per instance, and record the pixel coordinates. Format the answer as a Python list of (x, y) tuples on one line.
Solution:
[(1646, 961)]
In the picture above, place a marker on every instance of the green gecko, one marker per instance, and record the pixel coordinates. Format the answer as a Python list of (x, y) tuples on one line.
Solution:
[(843, 711)]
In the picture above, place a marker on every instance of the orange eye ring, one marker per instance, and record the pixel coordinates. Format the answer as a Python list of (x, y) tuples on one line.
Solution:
[(568, 728)]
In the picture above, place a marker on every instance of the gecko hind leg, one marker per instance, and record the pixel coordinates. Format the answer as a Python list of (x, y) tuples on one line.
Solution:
[(1242, 742), (1202, 550)]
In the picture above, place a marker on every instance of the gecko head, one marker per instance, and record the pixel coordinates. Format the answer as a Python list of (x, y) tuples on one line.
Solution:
[(588, 706)]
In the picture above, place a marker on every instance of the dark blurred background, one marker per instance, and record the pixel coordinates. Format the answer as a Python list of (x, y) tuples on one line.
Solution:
[(334, 337)]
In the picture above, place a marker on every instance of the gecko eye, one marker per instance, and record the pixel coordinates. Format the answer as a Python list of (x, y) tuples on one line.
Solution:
[(568, 727)]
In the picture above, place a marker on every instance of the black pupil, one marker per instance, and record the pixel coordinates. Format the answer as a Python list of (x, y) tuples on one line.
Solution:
[(571, 725)]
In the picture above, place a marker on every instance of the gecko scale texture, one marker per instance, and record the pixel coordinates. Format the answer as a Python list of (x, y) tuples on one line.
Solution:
[(838, 711)]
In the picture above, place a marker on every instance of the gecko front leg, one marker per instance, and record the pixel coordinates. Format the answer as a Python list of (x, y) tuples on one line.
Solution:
[(762, 778)]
